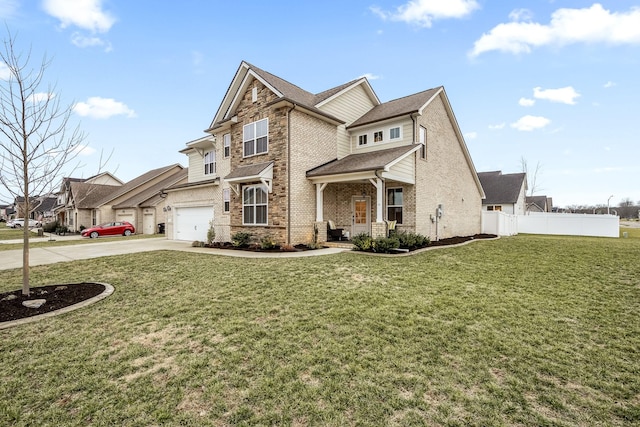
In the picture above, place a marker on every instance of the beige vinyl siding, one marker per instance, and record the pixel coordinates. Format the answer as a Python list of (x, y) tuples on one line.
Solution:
[(348, 107), (404, 170), (196, 167), (406, 137)]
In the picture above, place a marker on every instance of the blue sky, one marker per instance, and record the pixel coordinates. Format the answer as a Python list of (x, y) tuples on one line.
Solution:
[(552, 82)]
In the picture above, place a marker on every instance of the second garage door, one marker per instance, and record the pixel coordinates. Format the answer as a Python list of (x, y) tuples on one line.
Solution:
[(192, 223)]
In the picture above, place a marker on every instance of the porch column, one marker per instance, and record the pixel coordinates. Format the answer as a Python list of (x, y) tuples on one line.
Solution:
[(320, 201), (378, 184)]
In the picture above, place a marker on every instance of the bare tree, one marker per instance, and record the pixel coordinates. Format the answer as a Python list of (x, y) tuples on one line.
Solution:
[(532, 176), (36, 138)]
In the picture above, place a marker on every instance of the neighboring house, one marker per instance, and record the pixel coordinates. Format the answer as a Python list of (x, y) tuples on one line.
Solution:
[(539, 204), (6, 212), (279, 161), (139, 201), (78, 196), (44, 209), (504, 192)]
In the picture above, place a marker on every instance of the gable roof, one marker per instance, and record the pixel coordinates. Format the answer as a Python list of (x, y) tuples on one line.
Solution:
[(135, 183), (370, 161), (502, 188), (398, 107), (86, 195), (284, 91), (151, 195)]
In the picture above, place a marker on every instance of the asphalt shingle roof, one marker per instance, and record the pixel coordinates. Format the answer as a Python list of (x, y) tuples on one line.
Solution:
[(500, 188), (373, 160)]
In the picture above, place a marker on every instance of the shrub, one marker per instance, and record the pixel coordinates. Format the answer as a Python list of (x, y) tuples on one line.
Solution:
[(82, 227), (50, 227), (197, 244), (384, 245), (267, 242), (411, 240), (241, 239), (314, 245), (361, 242), (211, 233)]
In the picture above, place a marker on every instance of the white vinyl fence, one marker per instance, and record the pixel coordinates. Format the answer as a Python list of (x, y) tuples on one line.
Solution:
[(502, 224), (499, 223)]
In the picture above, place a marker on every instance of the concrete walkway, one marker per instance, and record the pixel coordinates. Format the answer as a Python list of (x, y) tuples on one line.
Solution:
[(104, 247)]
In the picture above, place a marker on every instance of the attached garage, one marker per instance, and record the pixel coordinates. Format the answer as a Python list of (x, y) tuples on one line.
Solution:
[(192, 223)]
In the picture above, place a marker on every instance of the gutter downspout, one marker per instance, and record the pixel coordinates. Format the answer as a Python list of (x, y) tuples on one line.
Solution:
[(289, 173)]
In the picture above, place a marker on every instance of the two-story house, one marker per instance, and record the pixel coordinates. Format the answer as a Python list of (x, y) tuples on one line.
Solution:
[(281, 161)]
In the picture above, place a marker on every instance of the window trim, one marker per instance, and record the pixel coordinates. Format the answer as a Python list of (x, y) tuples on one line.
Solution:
[(378, 136), (401, 206), (391, 138), (226, 200), (362, 140), (210, 166), (255, 138), (226, 145), (423, 141), (254, 205)]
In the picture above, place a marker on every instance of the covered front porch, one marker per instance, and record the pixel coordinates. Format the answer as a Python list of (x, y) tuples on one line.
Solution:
[(351, 193)]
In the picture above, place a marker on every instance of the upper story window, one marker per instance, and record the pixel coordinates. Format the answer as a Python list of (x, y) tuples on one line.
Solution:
[(423, 142), (210, 163), (394, 133), (377, 136), (362, 140), (254, 205), (226, 145), (255, 138)]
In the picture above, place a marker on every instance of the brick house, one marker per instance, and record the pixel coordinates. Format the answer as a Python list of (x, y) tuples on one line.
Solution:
[(280, 161)]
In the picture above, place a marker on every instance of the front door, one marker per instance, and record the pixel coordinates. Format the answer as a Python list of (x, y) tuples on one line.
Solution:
[(361, 215)]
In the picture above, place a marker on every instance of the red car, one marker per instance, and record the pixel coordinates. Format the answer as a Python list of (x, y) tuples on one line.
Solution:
[(118, 228)]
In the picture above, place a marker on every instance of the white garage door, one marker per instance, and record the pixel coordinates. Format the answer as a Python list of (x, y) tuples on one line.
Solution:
[(192, 223)]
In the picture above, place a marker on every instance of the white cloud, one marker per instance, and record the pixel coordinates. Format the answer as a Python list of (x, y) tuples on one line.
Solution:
[(564, 95), (567, 26), (521, 15), (369, 76), (85, 14), (83, 150), (529, 123), (609, 84), (424, 12), (526, 102), (40, 96), (471, 135), (84, 41), (102, 108), (498, 126), (5, 73)]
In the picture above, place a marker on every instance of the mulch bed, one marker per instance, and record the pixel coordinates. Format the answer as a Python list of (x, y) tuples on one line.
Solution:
[(57, 296), (458, 240)]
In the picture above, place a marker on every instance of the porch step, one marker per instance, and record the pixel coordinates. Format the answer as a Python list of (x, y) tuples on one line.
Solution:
[(339, 244)]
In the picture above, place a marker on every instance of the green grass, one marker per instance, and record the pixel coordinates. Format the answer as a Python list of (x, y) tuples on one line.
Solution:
[(528, 330), (48, 241)]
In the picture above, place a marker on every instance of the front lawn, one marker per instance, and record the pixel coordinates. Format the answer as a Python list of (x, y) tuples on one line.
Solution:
[(528, 330)]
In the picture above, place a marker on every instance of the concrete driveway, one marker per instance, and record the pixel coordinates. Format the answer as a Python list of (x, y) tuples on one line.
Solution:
[(104, 247)]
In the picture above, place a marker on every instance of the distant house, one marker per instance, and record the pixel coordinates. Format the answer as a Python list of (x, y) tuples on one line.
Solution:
[(104, 198), (539, 204), (6, 212), (283, 162), (504, 192)]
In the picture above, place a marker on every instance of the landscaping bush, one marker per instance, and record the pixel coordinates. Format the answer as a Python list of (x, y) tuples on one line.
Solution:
[(241, 239), (50, 227), (411, 240), (268, 242), (197, 244), (384, 245), (361, 242)]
